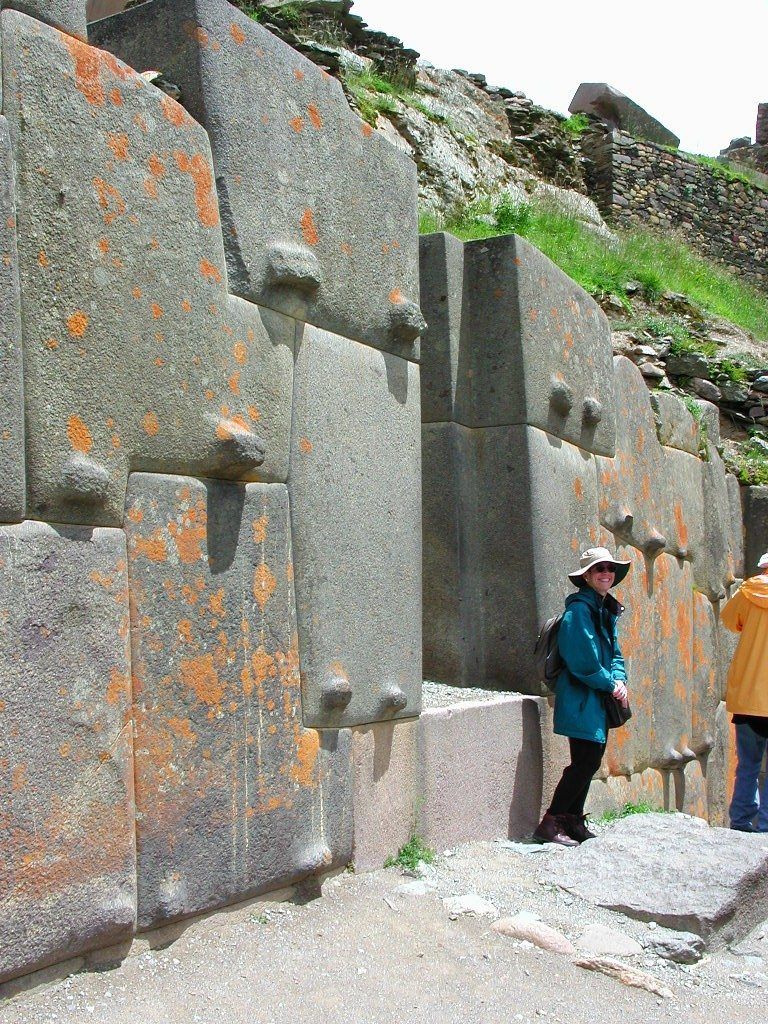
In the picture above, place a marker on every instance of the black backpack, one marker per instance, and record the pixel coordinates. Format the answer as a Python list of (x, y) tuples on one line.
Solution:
[(546, 653)]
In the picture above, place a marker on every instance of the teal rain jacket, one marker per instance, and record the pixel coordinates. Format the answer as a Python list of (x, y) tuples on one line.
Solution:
[(589, 647)]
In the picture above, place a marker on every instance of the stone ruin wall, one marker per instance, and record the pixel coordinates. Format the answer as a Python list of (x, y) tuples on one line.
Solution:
[(637, 183), (212, 460)]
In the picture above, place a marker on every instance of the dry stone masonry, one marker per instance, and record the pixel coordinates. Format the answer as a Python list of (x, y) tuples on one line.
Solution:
[(211, 518)]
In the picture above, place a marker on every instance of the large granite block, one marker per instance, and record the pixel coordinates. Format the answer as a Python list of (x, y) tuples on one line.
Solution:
[(736, 525), (135, 357), (714, 570), (67, 15), (319, 210), (755, 505), (355, 486), (234, 795), (527, 504), (501, 797), (67, 852), (12, 498), (514, 340), (676, 426)]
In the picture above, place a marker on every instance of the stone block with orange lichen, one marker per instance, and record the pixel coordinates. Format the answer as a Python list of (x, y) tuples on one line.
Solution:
[(67, 850), (355, 484), (513, 340), (755, 504), (144, 360), (12, 497), (336, 244), (234, 796)]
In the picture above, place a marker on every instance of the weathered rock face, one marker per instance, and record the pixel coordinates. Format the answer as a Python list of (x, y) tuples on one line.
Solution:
[(619, 111), (636, 869)]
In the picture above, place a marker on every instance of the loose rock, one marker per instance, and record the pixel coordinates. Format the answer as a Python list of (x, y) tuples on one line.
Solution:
[(536, 932), (681, 947), (626, 975), (470, 904), (599, 940)]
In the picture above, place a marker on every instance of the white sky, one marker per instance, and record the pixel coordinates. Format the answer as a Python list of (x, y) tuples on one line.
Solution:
[(697, 67)]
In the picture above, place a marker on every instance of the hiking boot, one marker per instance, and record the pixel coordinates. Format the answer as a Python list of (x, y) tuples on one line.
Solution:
[(550, 830), (575, 825)]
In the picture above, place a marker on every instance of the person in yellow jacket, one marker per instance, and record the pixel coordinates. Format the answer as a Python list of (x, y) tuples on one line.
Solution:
[(747, 698)]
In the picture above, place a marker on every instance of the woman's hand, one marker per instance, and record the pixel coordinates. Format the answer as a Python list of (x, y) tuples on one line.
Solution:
[(620, 691)]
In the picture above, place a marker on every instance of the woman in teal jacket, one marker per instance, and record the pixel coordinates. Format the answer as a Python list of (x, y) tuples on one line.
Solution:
[(594, 666)]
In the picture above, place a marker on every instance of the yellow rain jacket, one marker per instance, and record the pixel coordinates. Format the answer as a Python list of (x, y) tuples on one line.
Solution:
[(747, 613)]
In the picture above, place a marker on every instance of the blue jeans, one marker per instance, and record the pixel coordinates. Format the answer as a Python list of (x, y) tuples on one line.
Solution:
[(747, 802)]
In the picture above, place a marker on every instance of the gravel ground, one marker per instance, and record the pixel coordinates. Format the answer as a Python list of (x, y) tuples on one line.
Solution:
[(368, 950)]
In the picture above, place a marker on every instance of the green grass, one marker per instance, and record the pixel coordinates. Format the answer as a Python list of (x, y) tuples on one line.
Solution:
[(659, 263), (409, 855), (575, 125), (642, 807), (722, 169), (376, 94), (750, 465)]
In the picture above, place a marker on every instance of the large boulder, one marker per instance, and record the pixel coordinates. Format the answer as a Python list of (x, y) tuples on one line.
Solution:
[(620, 111)]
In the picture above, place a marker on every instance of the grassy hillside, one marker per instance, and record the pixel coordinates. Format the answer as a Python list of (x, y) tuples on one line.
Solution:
[(658, 263)]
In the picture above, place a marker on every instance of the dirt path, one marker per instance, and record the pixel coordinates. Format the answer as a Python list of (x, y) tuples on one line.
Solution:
[(367, 952)]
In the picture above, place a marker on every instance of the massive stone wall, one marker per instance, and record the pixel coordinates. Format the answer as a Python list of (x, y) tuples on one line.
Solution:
[(211, 551), (536, 444), (210, 529), (638, 183)]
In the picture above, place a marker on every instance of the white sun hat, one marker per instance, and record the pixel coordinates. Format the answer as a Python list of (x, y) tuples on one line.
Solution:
[(592, 556)]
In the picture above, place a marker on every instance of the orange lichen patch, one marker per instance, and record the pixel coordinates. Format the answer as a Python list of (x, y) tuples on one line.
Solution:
[(306, 758), (254, 413), (189, 540), (51, 344), (237, 34), (65, 749), (79, 435), (640, 442), (533, 315), (568, 340), (682, 529), (150, 424), (396, 297), (135, 515), (384, 248), (77, 324), (346, 249), (208, 270), (578, 488), (150, 187), (645, 487), (159, 362), (116, 97), (19, 779), (305, 445), (42, 259), (575, 546), (136, 293), (226, 430), (297, 123), (262, 667), (157, 311), (185, 630), (109, 200), (198, 169), (216, 606), (234, 383), (264, 584), (154, 547), (119, 687), (104, 246), (119, 143), (174, 113), (366, 129), (182, 728), (87, 69), (309, 228), (186, 306), (240, 352), (196, 32), (260, 529), (200, 675), (314, 116), (298, 75)]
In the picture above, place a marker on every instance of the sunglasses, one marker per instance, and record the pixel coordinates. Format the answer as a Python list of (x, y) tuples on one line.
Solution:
[(603, 567)]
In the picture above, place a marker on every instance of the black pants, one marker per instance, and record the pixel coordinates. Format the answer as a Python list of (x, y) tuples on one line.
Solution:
[(571, 793)]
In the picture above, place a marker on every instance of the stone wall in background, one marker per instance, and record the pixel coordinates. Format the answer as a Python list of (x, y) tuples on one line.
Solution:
[(538, 443), (640, 184)]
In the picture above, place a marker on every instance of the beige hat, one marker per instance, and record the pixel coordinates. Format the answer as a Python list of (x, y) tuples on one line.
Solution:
[(592, 556)]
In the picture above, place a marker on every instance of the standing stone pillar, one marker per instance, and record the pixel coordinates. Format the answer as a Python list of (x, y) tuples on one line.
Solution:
[(761, 128)]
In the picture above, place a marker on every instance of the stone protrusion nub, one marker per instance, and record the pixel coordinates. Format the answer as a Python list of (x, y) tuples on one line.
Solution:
[(592, 412), (239, 449), (561, 397), (84, 481), (393, 699), (293, 266), (337, 693), (407, 322), (655, 543)]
